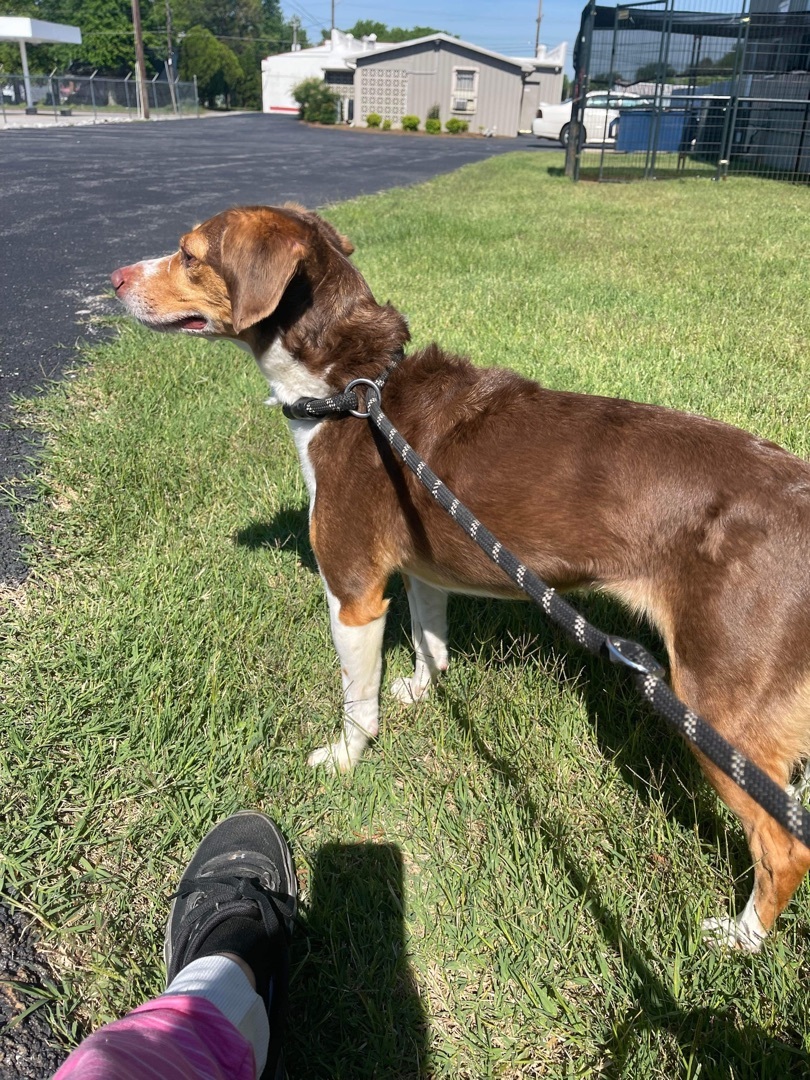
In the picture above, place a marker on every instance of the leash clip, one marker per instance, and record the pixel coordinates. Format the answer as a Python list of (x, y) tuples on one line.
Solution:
[(371, 386), (298, 410), (631, 655)]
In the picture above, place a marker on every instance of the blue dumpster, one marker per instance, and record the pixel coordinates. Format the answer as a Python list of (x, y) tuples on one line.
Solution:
[(635, 127)]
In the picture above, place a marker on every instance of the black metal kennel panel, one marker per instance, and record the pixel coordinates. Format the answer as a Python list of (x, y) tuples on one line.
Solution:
[(714, 88)]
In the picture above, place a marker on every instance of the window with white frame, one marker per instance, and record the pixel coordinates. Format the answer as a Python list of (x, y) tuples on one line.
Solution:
[(465, 90)]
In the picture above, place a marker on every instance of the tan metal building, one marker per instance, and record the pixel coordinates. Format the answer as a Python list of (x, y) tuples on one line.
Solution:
[(493, 93)]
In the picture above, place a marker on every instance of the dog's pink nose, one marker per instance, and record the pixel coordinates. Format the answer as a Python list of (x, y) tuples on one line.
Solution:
[(119, 277)]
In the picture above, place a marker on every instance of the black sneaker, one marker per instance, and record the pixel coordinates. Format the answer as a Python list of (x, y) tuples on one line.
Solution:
[(239, 895)]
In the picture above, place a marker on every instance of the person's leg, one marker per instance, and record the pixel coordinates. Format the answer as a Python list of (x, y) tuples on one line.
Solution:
[(227, 960)]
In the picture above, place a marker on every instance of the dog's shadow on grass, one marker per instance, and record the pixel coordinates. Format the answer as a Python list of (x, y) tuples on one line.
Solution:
[(714, 1036), (363, 1016), (355, 1006), (288, 531), (652, 759)]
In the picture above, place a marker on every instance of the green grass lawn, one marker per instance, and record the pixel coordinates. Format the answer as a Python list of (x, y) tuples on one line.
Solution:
[(511, 884)]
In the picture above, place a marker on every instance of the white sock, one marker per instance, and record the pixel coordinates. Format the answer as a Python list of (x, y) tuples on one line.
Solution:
[(222, 982)]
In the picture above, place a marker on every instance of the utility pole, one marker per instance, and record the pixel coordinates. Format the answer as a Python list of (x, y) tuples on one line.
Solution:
[(170, 58), (539, 20), (333, 14), (295, 22), (140, 66)]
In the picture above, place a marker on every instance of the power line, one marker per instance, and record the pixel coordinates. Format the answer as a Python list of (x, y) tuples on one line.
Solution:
[(161, 33), (314, 20)]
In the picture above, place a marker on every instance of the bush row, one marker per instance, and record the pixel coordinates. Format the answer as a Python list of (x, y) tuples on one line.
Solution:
[(319, 104), (433, 124)]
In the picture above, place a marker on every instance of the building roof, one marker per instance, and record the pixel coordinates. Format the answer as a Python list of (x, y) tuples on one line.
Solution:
[(332, 54), (388, 50), (547, 59)]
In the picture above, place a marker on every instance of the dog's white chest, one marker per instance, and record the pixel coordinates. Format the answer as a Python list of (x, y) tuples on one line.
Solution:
[(288, 378), (303, 432)]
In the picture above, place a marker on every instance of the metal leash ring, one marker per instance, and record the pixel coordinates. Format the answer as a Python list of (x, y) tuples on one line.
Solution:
[(362, 382)]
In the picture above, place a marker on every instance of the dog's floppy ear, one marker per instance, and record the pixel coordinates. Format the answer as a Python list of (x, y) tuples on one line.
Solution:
[(259, 260), (341, 242)]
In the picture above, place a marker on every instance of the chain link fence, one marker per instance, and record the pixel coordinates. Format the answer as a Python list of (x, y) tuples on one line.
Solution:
[(93, 96), (692, 87)]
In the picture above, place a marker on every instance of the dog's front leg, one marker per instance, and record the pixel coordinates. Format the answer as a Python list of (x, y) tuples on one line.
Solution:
[(357, 631), (429, 631)]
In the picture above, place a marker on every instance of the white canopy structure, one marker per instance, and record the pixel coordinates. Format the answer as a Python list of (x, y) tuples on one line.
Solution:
[(36, 32)]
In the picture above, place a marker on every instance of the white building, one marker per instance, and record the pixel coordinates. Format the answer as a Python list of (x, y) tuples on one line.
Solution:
[(394, 79), (282, 72)]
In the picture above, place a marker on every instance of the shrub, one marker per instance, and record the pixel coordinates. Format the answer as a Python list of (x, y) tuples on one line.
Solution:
[(433, 113), (410, 123), (373, 119), (433, 125), (454, 125), (386, 125), (317, 104)]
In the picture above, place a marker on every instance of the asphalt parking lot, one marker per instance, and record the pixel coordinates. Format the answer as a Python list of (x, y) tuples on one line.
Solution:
[(76, 202)]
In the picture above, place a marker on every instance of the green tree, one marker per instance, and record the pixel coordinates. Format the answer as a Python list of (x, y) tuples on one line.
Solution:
[(366, 27), (725, 65), (224, 18), (398, 33), (247, 30), (216, 67), (10, 51), (251, 29), (604, 80), (107, 38), (655, 72)]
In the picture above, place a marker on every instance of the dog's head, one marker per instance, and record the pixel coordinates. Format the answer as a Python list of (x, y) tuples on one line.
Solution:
[(232, 271)]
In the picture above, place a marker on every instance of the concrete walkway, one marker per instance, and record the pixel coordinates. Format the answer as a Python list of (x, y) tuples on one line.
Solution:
[(15, 119)]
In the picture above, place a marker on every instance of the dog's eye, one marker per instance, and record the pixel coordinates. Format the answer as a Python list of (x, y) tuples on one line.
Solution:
[(188, 258)]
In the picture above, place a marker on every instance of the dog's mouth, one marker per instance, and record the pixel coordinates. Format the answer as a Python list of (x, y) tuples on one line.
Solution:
[(189, 322)]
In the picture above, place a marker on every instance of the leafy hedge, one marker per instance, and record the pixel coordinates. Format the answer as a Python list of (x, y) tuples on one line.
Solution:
[(316, 102)]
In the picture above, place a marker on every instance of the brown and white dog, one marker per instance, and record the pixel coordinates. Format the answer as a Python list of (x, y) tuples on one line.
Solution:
[(701, 527)]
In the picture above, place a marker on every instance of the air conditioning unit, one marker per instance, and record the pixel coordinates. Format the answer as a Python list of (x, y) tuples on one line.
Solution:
[(460, 104)]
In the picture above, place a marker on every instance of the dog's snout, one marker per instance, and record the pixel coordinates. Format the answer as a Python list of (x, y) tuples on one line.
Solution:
[(119, 277)]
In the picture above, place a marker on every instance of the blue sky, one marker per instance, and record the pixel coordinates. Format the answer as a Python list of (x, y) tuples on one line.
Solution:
[(508, 26)]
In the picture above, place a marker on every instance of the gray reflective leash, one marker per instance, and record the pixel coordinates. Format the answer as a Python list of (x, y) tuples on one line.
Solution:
[(645, 670)]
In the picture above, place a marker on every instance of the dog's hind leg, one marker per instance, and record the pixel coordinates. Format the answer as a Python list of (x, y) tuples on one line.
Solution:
[(780, 861), (357, 631), (429, 632), (802, 785)]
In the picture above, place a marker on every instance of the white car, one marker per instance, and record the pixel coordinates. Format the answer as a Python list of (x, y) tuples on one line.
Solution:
[(602, 110)]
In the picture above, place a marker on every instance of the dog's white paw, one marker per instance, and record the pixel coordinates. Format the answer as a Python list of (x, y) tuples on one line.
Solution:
[(802, 785), (731, 933), (335, 757), (409, 691)]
